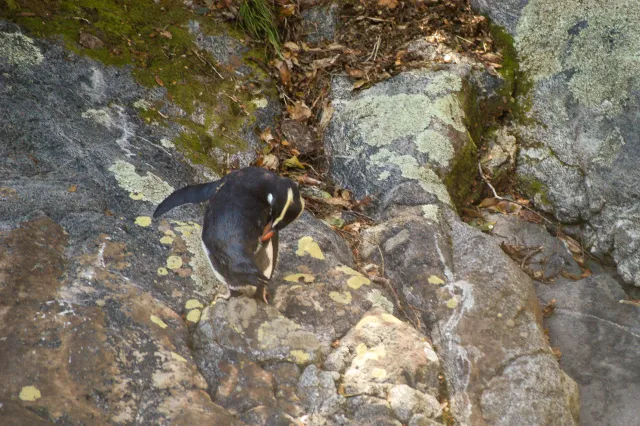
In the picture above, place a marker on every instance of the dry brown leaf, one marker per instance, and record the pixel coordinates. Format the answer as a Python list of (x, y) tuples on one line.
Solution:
[(285, 143), (389, 4), (327, 113), (165, 34), (334, 201), (324, 62), (73, 188), (354, 72), (266, 135), (492, 57), (548, 310), (299, 111), (292, 46), (285, 73), (488, 202), (270, 161), (358, 84), (159, 81)]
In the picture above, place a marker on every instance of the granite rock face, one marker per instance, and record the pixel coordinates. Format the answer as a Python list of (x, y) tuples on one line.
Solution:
[(598, 332), (580, 148), (399, 141), (91, 291), (330, 336)]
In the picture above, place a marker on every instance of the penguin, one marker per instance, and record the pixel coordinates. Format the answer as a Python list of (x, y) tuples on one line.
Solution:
[(246, 210)]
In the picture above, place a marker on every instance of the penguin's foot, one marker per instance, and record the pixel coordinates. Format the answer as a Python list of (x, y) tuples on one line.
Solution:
[(262, 292)]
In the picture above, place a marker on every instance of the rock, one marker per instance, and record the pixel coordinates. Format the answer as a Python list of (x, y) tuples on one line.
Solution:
[(300, 135), (479, 308), (317, 391), (596, 335), (579, 143), (381, 351), (319, 22), (90, 311), (548, 255), (407, 403), (373, 148), (500, 156)]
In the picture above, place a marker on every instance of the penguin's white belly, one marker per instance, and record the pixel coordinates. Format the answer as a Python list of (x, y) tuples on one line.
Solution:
[(269, 253)]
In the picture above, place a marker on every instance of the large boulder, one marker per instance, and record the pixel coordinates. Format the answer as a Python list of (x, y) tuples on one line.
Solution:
[(401, 141), (91, 291), (579, 141), (329, 338)]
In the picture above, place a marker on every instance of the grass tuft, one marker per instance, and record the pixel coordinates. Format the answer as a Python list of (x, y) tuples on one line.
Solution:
[(257, 19)]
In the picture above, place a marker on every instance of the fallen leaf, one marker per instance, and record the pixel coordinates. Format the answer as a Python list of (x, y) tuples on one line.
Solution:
[(285, 73), (327, 113), (292, 46), (293, 162), (299, 111), (270, 161), (389, 4), (335, 221), (334, 201), (285, 143), (358, 84), (487, 202), (159, 81), (324, 62), (266, 135), (548, 310), (166, 34), (73, 188), (492, 57), (354, 72)]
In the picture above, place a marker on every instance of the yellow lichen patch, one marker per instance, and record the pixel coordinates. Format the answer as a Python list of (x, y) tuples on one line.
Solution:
[(152, 188), (344, 298), (166, 240), (30, 393), (294, 278), (193, 304), (136, 196), (154, 319), (174, 262), (361, 349), (378, 373), (101, 302), (202, 273), (436, 280), (306, 245), (349, 271), (162, 271), (390, 318), (452, 303), (299, 357), (143, 221), (194, 315), (169, 233), (357, 282), (178, 357)]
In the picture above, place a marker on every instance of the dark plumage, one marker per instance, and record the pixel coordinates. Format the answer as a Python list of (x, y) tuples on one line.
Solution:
[(246, 210)]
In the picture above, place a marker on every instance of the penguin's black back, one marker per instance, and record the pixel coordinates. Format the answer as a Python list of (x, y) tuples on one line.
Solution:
[(234, 221)]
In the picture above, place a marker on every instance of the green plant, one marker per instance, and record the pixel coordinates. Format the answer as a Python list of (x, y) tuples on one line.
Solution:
[(257, 19)]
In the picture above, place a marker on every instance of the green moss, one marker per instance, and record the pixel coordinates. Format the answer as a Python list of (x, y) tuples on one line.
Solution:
[(532, 187), (154, 38), (517, 84), (463, 172)]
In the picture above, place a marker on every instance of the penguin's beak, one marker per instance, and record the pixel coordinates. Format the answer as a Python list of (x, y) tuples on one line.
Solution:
[(267, 233)]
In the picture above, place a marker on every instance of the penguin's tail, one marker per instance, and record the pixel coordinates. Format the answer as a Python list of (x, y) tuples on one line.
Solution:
[(188, 195)]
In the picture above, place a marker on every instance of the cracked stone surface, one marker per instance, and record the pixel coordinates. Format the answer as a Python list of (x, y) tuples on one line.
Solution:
[(580, 146), (598, 337), (476, 304)]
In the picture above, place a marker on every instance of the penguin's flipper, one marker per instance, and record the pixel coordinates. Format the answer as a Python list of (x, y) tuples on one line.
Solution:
[(188, 195)]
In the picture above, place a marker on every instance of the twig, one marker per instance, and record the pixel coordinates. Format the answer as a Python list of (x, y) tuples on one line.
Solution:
[(495, 194), (462, 38), (374, 53), (78, 18), (528, 256), (207, 63)]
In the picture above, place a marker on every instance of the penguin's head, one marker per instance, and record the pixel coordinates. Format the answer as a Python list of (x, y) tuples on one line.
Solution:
[(286, 206)]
